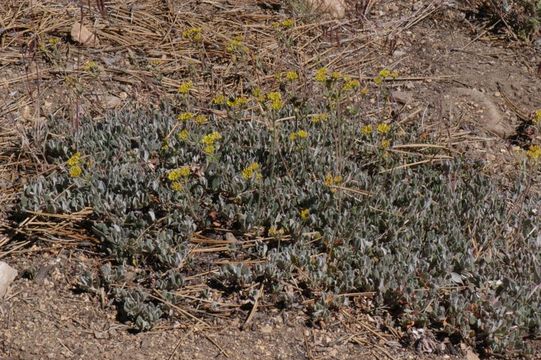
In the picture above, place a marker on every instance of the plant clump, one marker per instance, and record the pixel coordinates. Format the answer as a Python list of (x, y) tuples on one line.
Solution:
[(442, 246)]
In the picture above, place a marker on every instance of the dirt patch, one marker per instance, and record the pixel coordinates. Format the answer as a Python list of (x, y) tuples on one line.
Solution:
[(473, 88), (44, 318)]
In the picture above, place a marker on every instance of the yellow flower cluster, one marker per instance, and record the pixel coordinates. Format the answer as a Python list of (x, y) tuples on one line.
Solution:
[(178, 173), (178, 177), (275, 99), (54, 41), (258, 95), (276, 232), (74, 165), (185, 87), (236, 45), (534, 152), (537, 117), (183, 135), (201, 119), (90, 66), (367, 130), (317, 118), (292, 75), (219, 100), (301, 134), (321, 75), (383, 128), (336, 75), (237, 102), (75, 171), (304, 214), (209, 142), (252, 171), (332, 181), (211, 138), (165, 144), (385, 143), (185, 116), (350, 84), (285, 24), (194, 34), (385, 74), (177, 186)]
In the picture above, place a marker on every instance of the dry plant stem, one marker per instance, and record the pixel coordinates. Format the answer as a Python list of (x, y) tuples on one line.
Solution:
[(254, 308), (158, 297)]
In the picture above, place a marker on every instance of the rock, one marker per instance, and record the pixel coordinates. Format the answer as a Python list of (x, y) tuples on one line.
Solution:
[(26, 113), (112, 102), (470, 355), (229, 237), (333, 353), (402, 97), (7, 275), (537, 44), (80, 34), (266, 329), (336, 8), (391, 8)]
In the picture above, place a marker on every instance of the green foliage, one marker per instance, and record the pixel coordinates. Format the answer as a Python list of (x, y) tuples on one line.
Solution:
[(442, 246)]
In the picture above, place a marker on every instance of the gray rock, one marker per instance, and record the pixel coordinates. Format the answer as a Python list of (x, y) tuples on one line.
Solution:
[(402, 97), (7, 275), (537, 44)]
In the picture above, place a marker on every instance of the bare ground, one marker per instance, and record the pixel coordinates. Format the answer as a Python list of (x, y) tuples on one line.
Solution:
[(45, 318)]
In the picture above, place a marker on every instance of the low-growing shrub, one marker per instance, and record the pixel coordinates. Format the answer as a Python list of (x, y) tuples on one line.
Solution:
[(324, 201)]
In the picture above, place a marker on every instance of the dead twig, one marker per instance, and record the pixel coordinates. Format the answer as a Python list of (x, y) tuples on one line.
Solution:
[(254, 308)]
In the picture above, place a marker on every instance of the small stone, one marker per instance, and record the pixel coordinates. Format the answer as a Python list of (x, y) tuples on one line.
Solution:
[(392, 7), (230, 238), (470, 355), (112, 102), (80, 34), (417, 6), (402, 97), (266, 329), (336, 8), (7, 275), (101, 335), (333, 353), (537, 44)]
